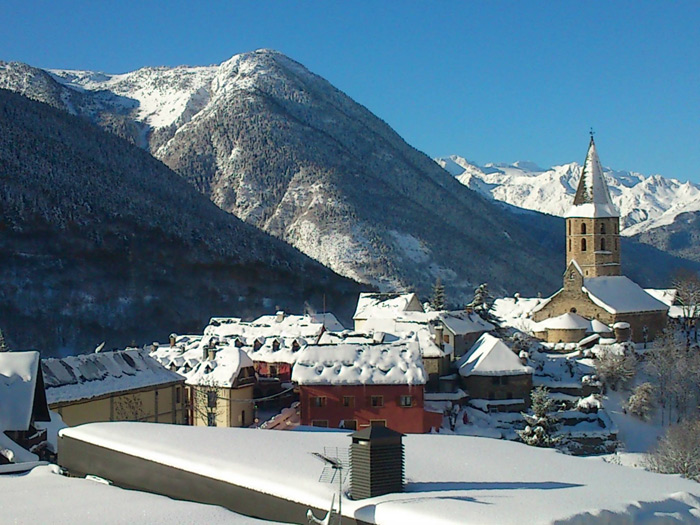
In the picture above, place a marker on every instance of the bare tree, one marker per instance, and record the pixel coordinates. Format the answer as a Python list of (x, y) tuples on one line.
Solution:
[(687, 285), (616, 369), (678, 452), (675, 373), (641, 401), (129, 408)]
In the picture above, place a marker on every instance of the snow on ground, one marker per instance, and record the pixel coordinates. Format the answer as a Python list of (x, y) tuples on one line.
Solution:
[(43, 496), (516, 312), (450, 479)]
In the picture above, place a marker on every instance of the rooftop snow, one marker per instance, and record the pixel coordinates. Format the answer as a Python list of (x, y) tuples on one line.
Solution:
[(398, 362), (93, 375), (18, 375), (567, 321), (490, 357), (618, 294), (43, 496), (460, 323), (385, 305), (451, 479), (221, 371)]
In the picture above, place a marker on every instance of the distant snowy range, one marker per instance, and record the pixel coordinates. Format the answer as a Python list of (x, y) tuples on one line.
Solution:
[(645, 202)]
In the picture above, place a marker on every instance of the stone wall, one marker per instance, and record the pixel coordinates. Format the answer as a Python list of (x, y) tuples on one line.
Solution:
[(601, 255), (499, 387)]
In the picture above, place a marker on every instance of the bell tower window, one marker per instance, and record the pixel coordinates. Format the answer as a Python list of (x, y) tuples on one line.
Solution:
[(583, 228), (602, 245), (583, 245), (602, 228)]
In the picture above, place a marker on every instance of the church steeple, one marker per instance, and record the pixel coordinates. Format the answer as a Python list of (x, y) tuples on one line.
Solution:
[(592, 197), (593, 222)]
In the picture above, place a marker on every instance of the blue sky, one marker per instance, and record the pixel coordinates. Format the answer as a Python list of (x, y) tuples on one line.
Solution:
[(495, 81)]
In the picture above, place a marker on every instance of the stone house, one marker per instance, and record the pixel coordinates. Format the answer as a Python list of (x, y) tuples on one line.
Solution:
[(594, 286), (491, 371)]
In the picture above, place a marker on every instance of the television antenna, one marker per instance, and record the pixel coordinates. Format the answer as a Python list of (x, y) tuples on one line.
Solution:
[(335, 469)]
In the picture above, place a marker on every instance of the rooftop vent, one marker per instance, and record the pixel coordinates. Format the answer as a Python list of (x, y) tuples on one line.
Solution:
[(376, 462)]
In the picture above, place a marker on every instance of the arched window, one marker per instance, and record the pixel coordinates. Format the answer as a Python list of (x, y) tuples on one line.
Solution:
[(583, 245), (602, 245), (602, 228), (583, 228), (616, 244), (569, 244), (569, 227)]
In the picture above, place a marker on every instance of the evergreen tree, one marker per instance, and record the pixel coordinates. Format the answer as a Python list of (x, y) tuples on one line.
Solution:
[(482, 303), (438, 300), (3, 344), (540, 424)]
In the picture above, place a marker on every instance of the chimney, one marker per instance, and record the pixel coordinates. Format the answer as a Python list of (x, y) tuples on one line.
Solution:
[(280, 316), (172, 339), (211, 353), (376, 462), (439, 341), (622, 331)]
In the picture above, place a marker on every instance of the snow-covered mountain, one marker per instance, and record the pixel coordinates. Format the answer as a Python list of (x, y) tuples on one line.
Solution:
[(281, 148), (645, 202)]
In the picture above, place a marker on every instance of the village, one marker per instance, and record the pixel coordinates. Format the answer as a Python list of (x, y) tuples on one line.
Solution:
[(548, 372)]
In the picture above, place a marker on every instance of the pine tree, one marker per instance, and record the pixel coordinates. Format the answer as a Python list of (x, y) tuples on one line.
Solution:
[(540, 425), (438, 300), (3, 344)]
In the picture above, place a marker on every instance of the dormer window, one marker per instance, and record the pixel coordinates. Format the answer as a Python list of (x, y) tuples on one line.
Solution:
[(275, 345), (257, 345), (239, 343), (295, 346)]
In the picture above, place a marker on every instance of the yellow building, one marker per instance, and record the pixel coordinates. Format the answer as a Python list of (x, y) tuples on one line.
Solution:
[(126, 385), (220, 388)]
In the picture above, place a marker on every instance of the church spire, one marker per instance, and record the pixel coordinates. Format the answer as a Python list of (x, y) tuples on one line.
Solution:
[(592, 197)]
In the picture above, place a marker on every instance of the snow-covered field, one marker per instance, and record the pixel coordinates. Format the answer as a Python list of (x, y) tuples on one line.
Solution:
[(450, 479)]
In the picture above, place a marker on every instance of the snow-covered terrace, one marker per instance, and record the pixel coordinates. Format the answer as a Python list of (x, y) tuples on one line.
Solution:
[(449, 479)]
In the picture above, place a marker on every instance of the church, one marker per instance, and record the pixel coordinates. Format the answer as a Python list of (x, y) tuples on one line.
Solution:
[(594, 286)]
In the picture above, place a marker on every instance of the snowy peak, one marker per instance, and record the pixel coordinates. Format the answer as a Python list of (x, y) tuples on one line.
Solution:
[(644, 202)]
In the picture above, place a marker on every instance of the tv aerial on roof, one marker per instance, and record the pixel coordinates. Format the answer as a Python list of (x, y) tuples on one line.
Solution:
[(335, 468)]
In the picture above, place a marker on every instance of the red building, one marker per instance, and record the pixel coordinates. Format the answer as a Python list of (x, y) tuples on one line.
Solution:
[(354, 386)]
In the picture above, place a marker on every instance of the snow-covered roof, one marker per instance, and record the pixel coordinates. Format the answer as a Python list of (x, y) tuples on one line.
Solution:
[(93, 375), (45, 496), (600, 327), (567, 321), (619, 294), (385, 305), (461, 323), (281, 325), (397, 362), (491, 357), (666, 296), (19, 373), (592, 197), (428, 348), (452, 479), (223, 370)]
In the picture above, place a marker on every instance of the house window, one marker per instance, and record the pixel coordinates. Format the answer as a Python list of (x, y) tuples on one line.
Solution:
[(583, 228), (349, 424), (583, 245), (323, 423), (211, 419), (377, 422), (243, 418), (273, 370), (318, 401), (211, 399), (348, 401), (406, 401), (377, 401), (602, 244)]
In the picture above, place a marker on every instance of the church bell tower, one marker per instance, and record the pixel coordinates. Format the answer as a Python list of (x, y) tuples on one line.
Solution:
[(593, 223)]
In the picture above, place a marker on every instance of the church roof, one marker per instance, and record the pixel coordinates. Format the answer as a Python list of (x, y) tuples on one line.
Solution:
[(619, 294), (592, 197), (567, 321)]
